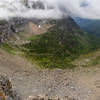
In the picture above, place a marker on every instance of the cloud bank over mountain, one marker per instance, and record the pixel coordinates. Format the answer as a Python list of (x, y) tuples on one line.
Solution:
[(49, 8), (26, 9)]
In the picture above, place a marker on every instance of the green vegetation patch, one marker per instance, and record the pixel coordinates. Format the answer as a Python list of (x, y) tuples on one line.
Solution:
[(57, 48), (8, 48), (93, 62)]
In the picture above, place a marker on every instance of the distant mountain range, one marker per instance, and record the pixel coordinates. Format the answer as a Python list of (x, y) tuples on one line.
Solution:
[(92, 26)]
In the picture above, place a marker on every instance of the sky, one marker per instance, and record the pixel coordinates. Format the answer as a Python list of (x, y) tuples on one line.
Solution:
[(89, 9)]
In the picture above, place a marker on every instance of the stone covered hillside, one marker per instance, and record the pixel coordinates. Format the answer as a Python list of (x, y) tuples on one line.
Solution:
[(7, 92)]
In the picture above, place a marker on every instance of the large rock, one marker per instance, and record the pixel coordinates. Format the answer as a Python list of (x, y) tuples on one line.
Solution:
[(6, 91)]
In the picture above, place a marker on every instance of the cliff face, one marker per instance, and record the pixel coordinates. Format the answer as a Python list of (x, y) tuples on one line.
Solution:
[(7, 28)]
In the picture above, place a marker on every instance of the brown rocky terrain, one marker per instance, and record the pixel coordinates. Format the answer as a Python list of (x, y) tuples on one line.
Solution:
[(6, 90), (29, 80)]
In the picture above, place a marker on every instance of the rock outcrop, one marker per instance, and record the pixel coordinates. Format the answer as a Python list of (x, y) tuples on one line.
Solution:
[(15, 25), (6, 90)]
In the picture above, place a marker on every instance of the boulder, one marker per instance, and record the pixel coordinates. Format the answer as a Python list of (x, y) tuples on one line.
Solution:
[(6, 91)]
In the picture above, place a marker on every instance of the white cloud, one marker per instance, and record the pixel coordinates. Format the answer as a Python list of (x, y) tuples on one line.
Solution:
[(78, 8), (84, 8)]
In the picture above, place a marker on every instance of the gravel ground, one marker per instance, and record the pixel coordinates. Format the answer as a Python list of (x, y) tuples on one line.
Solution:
[(28, 79)]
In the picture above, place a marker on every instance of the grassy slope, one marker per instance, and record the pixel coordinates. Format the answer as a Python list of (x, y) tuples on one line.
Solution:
[(59, 46)]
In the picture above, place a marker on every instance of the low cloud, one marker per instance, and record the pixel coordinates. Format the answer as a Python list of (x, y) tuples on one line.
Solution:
[(18, 8), (89, 9), (52, 9)]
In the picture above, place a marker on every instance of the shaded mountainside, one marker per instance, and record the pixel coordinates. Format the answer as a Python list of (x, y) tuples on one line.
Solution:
[(92, 26)]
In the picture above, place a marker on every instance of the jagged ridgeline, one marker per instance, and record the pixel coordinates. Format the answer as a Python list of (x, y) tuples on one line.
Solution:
[(62, 43)]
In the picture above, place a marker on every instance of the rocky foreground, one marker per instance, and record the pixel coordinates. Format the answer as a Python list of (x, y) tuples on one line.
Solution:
[(29, 81), (7, 92)]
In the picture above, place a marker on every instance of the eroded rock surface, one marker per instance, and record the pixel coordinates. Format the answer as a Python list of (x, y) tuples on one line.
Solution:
[(6, 90), (46, 97)]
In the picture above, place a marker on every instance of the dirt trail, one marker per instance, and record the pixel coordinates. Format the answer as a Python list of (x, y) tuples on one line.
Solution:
[(29, 79)]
